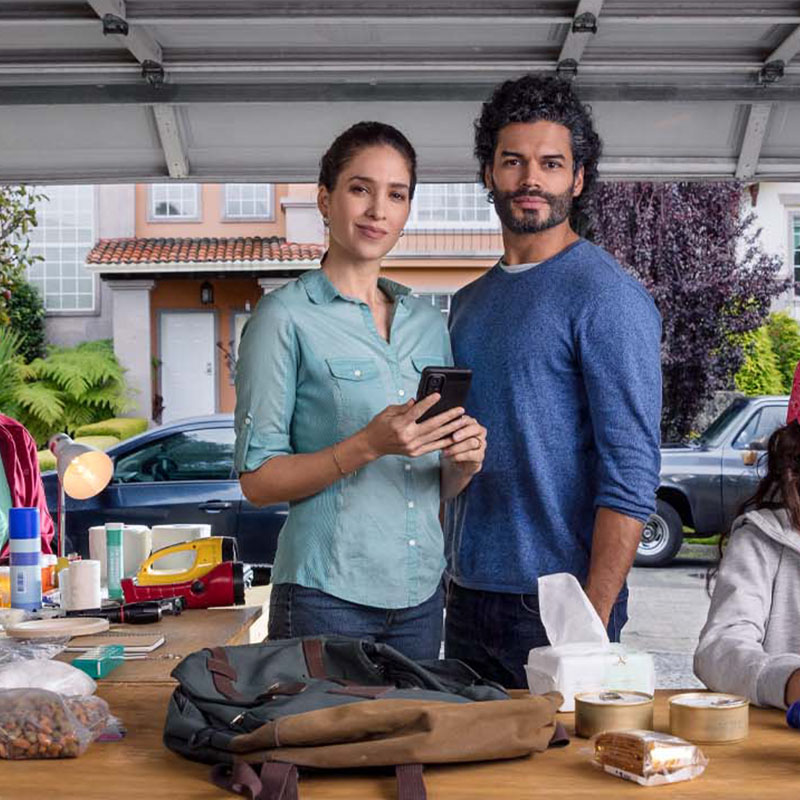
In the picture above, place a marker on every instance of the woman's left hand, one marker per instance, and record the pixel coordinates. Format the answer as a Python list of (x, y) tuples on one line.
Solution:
[(469, 446)]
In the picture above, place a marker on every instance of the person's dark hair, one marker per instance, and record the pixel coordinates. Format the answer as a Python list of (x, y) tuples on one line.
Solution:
[(532, 98), (355, 139)]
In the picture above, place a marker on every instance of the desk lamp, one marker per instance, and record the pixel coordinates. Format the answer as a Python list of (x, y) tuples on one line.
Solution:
[(83, 472)]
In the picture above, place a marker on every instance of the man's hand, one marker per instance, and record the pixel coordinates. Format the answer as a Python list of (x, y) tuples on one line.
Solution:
[(614, 542)]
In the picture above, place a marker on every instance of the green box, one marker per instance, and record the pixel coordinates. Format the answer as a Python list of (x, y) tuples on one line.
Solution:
[(99, 661)]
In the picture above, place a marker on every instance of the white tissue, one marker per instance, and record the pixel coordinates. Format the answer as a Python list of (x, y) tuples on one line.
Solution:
[(580, 657), (567, 615)]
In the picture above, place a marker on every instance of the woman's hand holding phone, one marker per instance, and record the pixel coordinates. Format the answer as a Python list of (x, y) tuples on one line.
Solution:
[(469, 446), (396, 430)]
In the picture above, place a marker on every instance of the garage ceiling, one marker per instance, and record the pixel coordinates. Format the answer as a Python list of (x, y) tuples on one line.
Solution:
[(211, 90)]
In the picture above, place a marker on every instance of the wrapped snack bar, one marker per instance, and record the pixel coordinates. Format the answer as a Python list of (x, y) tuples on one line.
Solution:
[(647, 757)]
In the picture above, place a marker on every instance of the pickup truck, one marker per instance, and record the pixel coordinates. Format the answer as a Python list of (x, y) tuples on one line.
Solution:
[(704, 483)]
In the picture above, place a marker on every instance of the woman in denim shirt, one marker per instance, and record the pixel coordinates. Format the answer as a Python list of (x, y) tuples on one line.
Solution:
[(325, 418)]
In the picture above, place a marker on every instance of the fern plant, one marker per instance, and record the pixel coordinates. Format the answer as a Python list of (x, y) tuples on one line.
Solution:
[(70, 387)]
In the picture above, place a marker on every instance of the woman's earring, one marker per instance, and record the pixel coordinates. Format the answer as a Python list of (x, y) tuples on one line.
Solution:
[(326, 222), (490, 197), (402, 233)]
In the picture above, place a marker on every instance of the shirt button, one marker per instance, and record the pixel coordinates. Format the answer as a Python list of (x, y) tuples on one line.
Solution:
[(357, 373), (401, 392), (411, 504), (407, 467), (412, 542)]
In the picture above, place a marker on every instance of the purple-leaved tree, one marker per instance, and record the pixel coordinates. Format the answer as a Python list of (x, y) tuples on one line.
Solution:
[(696, 248)]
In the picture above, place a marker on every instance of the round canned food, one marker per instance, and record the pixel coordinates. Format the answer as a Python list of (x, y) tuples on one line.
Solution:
[(709, 717), (600, 711)]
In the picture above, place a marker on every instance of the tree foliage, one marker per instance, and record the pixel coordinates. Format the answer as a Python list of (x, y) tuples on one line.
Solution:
[(17, 219), (784, 335), (70, 387), (697, 250), (759, 374), (26, 316)]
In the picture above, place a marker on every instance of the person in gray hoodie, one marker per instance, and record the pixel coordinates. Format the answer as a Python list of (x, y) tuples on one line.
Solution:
[(750, 644)]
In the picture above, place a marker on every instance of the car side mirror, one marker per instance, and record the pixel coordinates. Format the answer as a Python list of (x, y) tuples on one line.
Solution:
[(749, 458), (757, 444)]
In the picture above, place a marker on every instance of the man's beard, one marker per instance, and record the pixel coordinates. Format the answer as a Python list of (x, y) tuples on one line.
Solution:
[(531, 220)]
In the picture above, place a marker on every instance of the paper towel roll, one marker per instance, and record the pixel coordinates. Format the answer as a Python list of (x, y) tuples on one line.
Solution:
[(63, 587), (83, 585), (165, 535), (136, 546)]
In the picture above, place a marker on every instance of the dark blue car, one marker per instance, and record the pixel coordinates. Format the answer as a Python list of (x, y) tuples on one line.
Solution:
[(181, 472)]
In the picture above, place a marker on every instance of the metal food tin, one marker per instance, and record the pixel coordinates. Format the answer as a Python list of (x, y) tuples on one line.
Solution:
[(708, 717), (622, 710)]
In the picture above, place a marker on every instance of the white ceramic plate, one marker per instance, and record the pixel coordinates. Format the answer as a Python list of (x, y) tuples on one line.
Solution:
[(59, 626)]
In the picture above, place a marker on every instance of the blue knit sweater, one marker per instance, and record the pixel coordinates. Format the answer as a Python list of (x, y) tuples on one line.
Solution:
[(567, 380)]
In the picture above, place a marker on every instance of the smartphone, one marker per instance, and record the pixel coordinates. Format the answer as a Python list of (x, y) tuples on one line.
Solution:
[(452, 383)]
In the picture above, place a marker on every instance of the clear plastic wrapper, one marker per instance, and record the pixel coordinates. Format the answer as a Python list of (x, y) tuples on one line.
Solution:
[(12, 650), (93, 713), (648, 758), (54, 676), (35, 723)]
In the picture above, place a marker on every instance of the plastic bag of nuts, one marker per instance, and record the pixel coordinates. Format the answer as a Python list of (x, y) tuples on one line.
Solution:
[(35, 723)]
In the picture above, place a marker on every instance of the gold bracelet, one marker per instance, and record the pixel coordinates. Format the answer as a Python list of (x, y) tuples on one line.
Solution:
[(336, 461)]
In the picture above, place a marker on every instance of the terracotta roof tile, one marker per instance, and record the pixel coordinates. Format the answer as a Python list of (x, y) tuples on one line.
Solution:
[(212, 249)]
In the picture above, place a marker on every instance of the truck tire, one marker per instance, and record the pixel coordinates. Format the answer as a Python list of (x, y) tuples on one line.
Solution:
[(662, 537)]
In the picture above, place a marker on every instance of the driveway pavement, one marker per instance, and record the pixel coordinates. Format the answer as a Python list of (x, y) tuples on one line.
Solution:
[(667, 609)]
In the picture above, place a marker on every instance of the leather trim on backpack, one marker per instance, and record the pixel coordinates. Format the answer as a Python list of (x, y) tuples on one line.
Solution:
[(312, 652), (223, 674)]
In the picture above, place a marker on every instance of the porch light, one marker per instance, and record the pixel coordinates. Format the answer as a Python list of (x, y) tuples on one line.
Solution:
[(206, 294)]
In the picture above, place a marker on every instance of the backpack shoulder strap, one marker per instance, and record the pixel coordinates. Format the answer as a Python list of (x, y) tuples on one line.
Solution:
[(410, 783), (277, 780)]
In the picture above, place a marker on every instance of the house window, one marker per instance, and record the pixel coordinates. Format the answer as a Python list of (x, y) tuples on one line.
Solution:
[(174, 201), (63, 237), (796, 251), (440, 300), (248, 201), (451, 205)]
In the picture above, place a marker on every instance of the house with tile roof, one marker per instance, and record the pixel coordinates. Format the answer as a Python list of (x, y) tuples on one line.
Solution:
[(172, 271)]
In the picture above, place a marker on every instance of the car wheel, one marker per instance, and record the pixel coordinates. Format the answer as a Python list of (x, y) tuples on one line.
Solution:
[(661, 538)]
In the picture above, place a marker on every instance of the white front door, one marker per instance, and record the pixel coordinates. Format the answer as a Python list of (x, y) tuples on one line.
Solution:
[(188, 368)]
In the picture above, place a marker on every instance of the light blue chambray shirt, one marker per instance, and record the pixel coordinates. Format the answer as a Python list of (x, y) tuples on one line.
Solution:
[(313, 370)]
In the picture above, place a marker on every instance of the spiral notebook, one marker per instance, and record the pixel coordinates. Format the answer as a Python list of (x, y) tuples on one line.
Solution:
[(133, 643)]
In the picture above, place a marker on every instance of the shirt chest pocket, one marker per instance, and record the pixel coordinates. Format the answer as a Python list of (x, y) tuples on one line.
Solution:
[(357, 389), (414, 366)]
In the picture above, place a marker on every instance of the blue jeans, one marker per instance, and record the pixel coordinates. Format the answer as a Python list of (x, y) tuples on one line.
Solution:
[(299, 611), (493, 631)]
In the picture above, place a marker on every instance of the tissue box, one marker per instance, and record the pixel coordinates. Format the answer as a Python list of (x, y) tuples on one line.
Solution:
[(573, 668)]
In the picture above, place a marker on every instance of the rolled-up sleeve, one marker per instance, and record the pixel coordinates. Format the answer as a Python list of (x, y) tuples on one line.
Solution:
[(266, 380), (620, 352)]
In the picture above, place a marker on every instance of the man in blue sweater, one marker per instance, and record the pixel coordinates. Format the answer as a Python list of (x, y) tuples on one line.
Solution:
[(565, 352)]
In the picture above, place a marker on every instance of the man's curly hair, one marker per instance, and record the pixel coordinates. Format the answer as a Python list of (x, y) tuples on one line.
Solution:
[(541, 97)]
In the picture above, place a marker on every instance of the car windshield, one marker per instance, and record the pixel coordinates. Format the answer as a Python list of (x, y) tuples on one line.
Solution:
[(715, 429)]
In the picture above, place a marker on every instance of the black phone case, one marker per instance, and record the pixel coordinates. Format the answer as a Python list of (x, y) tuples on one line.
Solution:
[(454, 390)]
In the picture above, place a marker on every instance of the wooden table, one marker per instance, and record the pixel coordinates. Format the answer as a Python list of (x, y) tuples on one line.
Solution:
[(766, 765), (190, 631)]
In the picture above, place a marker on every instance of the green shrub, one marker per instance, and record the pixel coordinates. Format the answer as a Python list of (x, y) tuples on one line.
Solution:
[(26, 316), (121, 427), (47, 460), (759, 374), (784, 334), (100, 442), (70, 387)]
